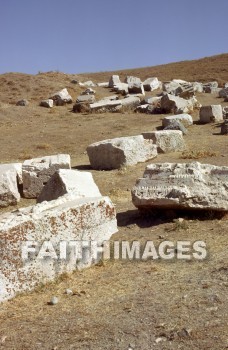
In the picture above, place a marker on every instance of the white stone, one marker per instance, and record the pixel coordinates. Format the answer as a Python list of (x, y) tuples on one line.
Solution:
[(63, 220), (47, 103), (176, 104), (122, 151), (66, 181), (151, 84), (136, 88), (13, 166), (185, 119), (226, 85), (89, 83), (212, 113), (182, 186), (106, 106), (131, 101), (9, 194), (106, 84), (85, 99), (36, 172), (152, 100), (61, 97), (198, 87), (166, 140), (121, 88), (114, 79)]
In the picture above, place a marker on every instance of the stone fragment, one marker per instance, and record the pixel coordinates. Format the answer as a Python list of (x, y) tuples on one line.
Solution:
[(122, 151), (185, 119), (47, 103), (85, 99), (66, 181), (130, 101), (223, 92), (88, 91), (151, 84), (224, 128), (212, 113), (106, 106), (166, 140), (61, 97), (23, 102), (70, 227), (36, 172), (176, 125), (182, 186), (9, 194), (114, 80), (176, 104)]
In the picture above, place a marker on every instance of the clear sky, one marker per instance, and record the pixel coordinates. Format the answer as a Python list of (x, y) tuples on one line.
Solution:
[(75, 36)]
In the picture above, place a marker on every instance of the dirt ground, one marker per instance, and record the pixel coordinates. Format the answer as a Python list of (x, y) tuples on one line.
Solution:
[(117, 304)]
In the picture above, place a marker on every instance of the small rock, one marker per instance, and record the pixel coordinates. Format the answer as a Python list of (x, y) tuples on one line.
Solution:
[(53, 301), (68, 292)]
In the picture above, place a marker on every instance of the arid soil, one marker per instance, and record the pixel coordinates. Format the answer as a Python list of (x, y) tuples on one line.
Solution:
[(120, 304)]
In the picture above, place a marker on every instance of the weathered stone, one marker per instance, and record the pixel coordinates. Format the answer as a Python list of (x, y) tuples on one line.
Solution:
[(223, 92), (67, 181), (106, 84), (224, 128), (122, 151), (211, 113), (182, 186), (23, 102), (172, 88), (151, 84), (185, 119), (88, 91), (36, 172), (208, 87), (85, 99), (88, 83), (225, 112), (132, 80), (114, 79), (27, 233), (106, 106), (9, 194), (47, 103), (13, 166), (121, 88), (61, 97), (197, 87), (136, 88), (152, 100), (110, 98), (176, 125), (176, 104), (166, 140), (142, 108), (81, 107), (226, 85), (130, 101)]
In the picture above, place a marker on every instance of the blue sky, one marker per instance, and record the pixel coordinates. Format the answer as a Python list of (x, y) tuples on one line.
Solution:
[(75, 36)]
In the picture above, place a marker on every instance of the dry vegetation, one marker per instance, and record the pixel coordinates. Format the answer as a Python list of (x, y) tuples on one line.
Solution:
[(120, 302)]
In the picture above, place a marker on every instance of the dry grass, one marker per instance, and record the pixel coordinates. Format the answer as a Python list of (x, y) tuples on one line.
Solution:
[(198, 154)]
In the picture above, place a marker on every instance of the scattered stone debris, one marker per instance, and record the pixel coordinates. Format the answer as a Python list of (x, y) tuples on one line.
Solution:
[(166, 140), (212, 113), (23, 102)]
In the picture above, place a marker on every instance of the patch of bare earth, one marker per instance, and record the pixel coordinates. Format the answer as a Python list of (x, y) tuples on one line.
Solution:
[(118, 304)]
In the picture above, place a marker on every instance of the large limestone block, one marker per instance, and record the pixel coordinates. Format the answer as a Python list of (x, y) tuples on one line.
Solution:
[(136, 88), (122, 151), (61, 97), (151, 84), (131, 101), (85, 99), (114, 79), (176, 104), (66, 181), (65, 220), (36, 172), (9, 194), (166, 140), (182, 186), (212, 113), (132, 80), (121, 88), (106, 106), (47, 103), (13, 166), (184, 118)]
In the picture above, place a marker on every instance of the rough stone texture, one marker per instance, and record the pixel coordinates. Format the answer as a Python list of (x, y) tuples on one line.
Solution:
[(13, 166), (61, 97), (36, 172), (114, 79), (88, 91), (136, 88), (122, 151), (9, 194), (176, 104), (151, 84), (223, 92), (197, 87), (66, 181), (207, 87), (224, 128), (211, 113), (225, 112), (23, 102), (132, 80), (65, 219), (142, 108), (130, 101), (152, 100), (185, 119), (121, 88), (166, 140), (106, 106), (88, 83), (47, 103), (85, 99), (176, 125), (105, 84), (179, 88), (182, 186)]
